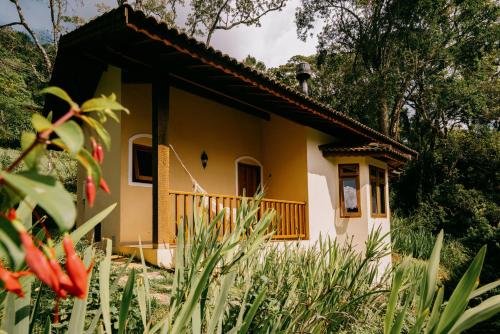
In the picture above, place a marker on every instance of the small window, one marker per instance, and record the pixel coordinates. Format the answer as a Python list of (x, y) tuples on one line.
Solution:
[(377, 192), (142, 164), (349, 191)]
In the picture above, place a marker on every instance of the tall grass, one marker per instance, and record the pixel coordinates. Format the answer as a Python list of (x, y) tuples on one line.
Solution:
[(242, 282), (321, 289)]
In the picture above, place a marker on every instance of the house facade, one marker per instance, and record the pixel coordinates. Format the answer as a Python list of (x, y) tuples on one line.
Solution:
[(202, 121)]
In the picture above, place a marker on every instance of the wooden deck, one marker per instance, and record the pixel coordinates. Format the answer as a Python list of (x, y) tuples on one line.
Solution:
[(289, 222)]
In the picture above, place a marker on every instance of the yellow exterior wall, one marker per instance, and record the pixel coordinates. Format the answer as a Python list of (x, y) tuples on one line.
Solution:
[(197, 124), (110, 82), (284, 156), (137, 208)]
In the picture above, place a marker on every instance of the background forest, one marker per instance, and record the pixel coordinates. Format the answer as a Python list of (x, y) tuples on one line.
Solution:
[(425, 72)]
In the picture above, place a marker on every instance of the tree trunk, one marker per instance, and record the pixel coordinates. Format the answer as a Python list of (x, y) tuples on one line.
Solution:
[(383, 115)]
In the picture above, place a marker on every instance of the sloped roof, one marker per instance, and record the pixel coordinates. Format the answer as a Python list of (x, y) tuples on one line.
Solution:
[(137, 43), (386, 152)]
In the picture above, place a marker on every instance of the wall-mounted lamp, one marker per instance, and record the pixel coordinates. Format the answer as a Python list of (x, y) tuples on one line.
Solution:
[(204, 159)]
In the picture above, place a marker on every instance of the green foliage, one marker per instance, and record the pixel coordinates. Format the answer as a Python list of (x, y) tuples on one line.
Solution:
[(391, 59), (254, 63), (433, 315), (19, 82)]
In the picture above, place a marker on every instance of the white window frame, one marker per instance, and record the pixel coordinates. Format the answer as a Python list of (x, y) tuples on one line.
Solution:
[(131, 161)]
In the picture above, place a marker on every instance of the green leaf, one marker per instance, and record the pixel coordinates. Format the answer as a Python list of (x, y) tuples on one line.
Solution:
[(40, 123), (35, 308), (141, 299), (252, 311), (430, 278), (103, 103), (220, 302), (145, 276), (475, 315), (48, 193), (9, 237), (460, 296), (393, 298), (125, 304), (85, 228), (485, 288), (60, 93), (436, 309), (31, 160), (71, 134), (104, 273)]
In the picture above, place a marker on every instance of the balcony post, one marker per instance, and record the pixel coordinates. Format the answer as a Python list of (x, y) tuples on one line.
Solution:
[(163, 228)]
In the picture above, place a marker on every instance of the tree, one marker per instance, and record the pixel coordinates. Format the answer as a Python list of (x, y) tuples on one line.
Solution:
[(207, 16), (58, 17), (162, 10), (390, 47), (254, 63), (18, 100)]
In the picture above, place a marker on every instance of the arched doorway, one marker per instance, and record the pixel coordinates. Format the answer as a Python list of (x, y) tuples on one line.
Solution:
[(248, 176)]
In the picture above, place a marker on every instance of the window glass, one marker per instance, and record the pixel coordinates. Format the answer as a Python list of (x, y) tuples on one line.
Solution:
[(142, 164), (373, 186), (350, 195), (349, 190), (382, 198), (377, 191)]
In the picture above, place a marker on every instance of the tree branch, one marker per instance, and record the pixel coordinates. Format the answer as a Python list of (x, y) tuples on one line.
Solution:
[(39, 46), (11, 24)]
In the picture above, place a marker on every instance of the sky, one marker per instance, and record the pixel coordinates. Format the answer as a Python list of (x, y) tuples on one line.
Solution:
[(273, 43)]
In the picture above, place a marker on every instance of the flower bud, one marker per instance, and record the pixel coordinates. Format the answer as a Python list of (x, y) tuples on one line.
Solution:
[(99, 154), (90, 190), (12, 214), (75, 267), (104, 186)]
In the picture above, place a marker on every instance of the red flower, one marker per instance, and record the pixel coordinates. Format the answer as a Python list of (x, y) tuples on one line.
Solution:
[(104, 186), (12, 214), (100, 154), (11, 280), (77, 272), (38, 262), (62, 278), (97, 151), (90, 190)]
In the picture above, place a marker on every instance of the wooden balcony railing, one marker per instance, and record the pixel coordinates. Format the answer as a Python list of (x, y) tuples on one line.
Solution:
[(290, 220)]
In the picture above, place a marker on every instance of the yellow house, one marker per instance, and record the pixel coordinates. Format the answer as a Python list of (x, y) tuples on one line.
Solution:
[(199, 117)]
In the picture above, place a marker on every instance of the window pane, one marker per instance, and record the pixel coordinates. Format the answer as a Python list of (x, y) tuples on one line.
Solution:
[(373, 172), (142, 164), (382, 199), (381, 175), (373, 188), (350, 196)]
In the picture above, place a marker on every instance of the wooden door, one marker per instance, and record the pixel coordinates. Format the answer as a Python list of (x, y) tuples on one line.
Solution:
[(248, 179)]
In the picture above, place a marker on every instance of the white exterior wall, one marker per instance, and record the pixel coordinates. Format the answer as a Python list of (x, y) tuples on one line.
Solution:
[(324, 197)]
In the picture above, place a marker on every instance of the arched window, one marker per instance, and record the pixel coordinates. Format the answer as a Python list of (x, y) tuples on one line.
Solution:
[(140, 160), (249, 175)]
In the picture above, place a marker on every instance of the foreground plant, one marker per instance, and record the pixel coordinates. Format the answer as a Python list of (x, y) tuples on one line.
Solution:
[(24, 254), (433, 314)]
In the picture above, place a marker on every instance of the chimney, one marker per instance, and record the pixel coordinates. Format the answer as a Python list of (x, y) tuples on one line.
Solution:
[(303, 73)]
